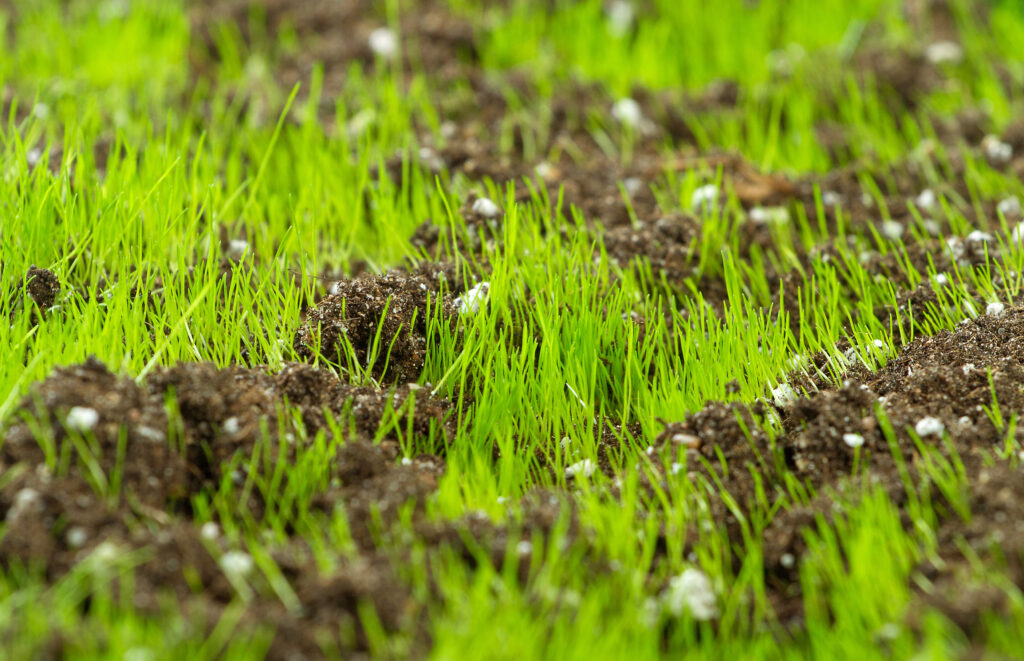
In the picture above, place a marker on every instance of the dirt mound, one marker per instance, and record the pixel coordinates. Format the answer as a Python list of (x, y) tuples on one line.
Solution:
[(378, 324), (941, 387)]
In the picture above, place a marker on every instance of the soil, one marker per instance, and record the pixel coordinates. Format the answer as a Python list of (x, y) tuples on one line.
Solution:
[(56, 521), (951, 377), (382, 321)]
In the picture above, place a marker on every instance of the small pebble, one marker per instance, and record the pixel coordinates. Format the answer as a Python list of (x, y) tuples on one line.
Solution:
[(686, 440)]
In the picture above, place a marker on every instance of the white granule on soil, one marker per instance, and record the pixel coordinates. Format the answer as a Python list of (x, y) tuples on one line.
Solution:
[(1009, 206), (944, 52), (82, 418), (627, 112), (470, 302), (995, 309), (77, 536), (236, 563), (929, 426), (525, 547), (783, 395), (977, 236), (383, 42), (926, 200), (237, 248), (996, 150), (231, 425), (704, 198), (486, 207), (583, 468), (853, 440), (892, 230), (210, 531), (691, 592)]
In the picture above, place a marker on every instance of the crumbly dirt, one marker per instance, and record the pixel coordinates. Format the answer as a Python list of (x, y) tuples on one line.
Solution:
[(58, 520), (42, 289), (950, 377), (334, 35), (380, 321)]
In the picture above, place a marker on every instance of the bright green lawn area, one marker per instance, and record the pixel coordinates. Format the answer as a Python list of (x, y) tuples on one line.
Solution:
[(189, 160)]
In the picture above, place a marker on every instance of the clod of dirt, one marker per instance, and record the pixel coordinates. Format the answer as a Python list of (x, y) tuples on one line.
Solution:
[(378, 324), (43, 287)]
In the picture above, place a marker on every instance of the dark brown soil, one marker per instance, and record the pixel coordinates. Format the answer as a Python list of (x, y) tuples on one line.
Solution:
[(382, 322), (84, 427), (952, 378)]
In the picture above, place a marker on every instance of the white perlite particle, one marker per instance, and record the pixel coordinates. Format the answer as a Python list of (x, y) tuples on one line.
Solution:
[(944, 52), (929, 426), (830, 198), (995, 309), (231, 425), (996, 150), (237, 248), (627, 112), (926, 200), (82, 418), (892, 230), (23, 500), (77, 536), (1018, 233), (236, 563), (691, 591), (583, 468), (977, 236), (620, 17), (485, 207), (383, 42), (704, 198), (769, 215), (525, 547), (406, 461), (1009, 206), (469, 303), (210, 531), (853, 440), (783, 395)]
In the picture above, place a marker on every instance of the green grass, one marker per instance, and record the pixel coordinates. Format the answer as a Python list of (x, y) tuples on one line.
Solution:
[(187, 161)]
